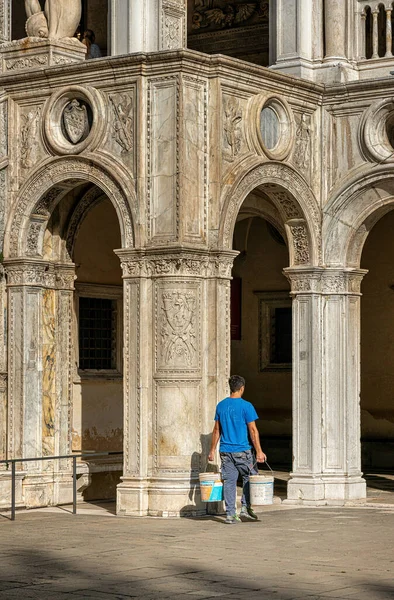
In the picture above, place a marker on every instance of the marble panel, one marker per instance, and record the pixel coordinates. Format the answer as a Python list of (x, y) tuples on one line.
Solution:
[(49, 371), (163, 163)]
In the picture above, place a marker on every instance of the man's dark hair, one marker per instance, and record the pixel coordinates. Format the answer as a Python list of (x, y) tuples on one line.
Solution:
[(236, 382)]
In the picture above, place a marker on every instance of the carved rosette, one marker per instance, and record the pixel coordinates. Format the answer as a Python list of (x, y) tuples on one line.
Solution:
[(182, 264), (326, 282)]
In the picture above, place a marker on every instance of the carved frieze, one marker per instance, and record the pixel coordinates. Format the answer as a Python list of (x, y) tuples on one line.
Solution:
[(325, 281), (187, 264), (30, 274)]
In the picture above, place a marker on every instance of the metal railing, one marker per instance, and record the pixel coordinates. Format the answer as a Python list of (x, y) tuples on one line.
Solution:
[(13, 461)]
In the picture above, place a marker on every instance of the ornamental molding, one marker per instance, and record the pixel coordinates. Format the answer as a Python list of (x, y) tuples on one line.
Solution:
[(185, 264)]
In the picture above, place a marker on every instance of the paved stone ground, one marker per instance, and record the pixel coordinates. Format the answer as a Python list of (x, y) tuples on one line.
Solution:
[(291, 553)]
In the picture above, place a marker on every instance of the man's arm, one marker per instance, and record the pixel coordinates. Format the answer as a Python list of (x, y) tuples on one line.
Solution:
[(255, 437), (215, 439)]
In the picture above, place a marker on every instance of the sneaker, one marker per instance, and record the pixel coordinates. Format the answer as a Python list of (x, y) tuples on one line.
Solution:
[(232, 519), (248, 513)]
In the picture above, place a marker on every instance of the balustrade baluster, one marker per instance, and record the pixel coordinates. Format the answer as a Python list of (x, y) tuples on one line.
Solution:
[(375, 35), (389, 35)]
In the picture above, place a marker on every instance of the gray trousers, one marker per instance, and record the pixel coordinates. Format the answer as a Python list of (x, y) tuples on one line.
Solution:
[(234, 464)]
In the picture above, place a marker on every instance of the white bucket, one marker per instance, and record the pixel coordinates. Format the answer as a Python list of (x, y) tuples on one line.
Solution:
[(261, 489), (211, 487)]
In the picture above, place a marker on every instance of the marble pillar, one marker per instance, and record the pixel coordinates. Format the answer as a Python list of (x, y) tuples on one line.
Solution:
[(177, 331), (5, 21), (147, 25), (326, 387), (335, 29), (39, 374)]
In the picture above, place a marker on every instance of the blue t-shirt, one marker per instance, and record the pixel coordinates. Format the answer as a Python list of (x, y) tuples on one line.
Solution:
[(233, 415)]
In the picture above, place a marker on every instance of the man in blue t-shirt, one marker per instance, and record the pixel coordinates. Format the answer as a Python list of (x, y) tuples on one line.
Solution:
[(234, 423)]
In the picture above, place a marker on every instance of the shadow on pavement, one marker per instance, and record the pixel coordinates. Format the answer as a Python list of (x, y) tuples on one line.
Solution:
[(41, 575)]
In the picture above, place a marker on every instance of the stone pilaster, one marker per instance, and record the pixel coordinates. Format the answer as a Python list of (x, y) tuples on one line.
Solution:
[(168, 417), (39, 363), (326, 387)]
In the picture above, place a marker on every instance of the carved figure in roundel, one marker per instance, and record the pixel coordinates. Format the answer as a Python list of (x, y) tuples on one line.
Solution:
[(60, 18), (76, 122)]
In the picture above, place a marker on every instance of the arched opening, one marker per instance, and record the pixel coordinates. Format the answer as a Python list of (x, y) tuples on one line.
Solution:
[(96, 356), (368, 33), (236, 29), (261, 324), (377, 354), (381, 31)]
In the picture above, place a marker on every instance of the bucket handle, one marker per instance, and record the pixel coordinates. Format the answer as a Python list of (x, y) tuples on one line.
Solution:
[(255, 465)]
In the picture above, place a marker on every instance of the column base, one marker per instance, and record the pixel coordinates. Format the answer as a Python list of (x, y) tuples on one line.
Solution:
[(166, 496), (326, 490)]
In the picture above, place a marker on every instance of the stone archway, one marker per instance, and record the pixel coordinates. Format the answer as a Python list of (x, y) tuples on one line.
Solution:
[(46, 187), (40, 314), (293, 199), (349, 219)]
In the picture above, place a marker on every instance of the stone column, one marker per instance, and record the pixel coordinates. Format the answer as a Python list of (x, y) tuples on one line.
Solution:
[(326, 387), (176, 362), (147, 25), (335, 29), (5, 21), (298, 39)]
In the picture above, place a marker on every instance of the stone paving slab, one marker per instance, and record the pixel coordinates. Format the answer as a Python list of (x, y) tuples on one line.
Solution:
[(291, 553)]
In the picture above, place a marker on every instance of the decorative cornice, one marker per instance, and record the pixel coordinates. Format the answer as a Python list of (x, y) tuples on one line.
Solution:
[(25, 272)]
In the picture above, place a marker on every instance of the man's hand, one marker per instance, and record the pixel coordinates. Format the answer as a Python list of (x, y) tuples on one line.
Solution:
[(261, 457), (211, 456)]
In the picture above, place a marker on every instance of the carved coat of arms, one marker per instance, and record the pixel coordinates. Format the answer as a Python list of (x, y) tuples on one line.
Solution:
[(76, 122), (178, 328)]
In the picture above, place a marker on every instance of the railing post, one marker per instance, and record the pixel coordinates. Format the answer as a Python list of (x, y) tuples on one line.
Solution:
[(13, 484), (74, 485)]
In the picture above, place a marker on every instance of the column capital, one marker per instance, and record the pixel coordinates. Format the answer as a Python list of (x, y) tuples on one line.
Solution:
[(38, 273), (325, 281), (175, 262)]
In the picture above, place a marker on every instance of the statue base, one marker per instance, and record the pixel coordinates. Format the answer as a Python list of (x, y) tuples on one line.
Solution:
[(40, 53)]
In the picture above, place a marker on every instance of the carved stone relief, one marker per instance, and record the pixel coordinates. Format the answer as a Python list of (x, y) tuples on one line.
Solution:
[(29, 136), (3, 196), (30, 274), (300, 244), (34, 235), (325, 281), (177, 316), (173, 19), (123, 132), (302, 149), (232, 130), (216, 266)]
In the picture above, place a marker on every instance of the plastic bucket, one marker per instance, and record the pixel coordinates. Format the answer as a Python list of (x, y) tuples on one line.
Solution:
[(261, 489), (210, 487)]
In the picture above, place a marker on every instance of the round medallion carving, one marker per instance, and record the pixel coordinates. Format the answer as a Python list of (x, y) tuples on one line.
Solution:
[(275, 127), (377, 131), (74, 120)]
